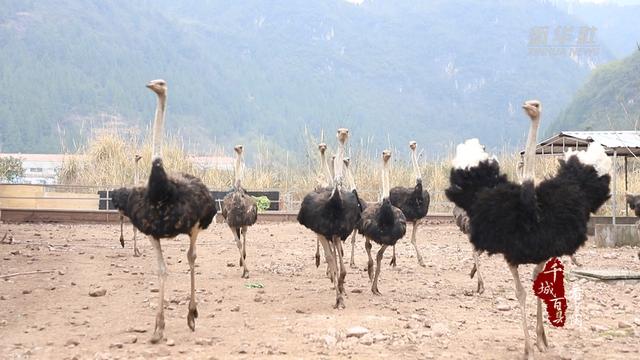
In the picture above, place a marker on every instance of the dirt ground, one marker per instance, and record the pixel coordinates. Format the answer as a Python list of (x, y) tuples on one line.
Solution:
[(429, 312)]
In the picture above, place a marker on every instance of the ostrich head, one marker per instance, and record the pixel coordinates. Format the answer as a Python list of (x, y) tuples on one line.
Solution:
[(412, 144), (238, 149), (137, 158), (346, 161), (386, 155), (533, 108), (343, 135), (322, 147), (158, 86)]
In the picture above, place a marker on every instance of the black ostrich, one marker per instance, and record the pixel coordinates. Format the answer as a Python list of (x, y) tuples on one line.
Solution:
[(462, 220), (136, 182), (383, 223), (332, 214), (324, 182), (634, 203), (529, 224), (413, 201), (168, 206), (240, 210)]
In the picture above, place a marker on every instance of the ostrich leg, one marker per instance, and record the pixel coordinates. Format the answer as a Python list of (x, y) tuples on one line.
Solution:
[(245, 272), (367, 246), (335, 272), (236, 238), (522, 298), (136, 251), (476, 268), (413, 241), (340, 264), (121, 231), (374, 287), (541, 337), (162, 277), (327, 255), (191, 256), (393, 258), (317, 253), (352, 263)]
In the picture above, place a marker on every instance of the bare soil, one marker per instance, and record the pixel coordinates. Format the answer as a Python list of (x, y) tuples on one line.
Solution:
[(430, 312)]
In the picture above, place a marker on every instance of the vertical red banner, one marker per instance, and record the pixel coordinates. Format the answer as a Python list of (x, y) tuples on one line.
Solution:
[(549, 286)]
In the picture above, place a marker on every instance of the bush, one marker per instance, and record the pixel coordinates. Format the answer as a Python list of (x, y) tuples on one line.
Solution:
[(11, 169)]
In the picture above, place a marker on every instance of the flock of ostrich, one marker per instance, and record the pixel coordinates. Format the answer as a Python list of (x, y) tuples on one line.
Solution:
[(527, 222)]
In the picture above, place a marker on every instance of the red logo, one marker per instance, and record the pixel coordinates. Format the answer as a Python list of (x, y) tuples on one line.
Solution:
[(549, 286)]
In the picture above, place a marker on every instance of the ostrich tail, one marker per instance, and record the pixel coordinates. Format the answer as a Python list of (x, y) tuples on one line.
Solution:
[(595, 156), (465, 183), (469, 154)]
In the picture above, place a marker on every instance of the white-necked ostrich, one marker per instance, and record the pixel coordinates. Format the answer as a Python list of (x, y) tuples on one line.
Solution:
[(168, 206), (413, 201), (526, 223), (240, 210), (332, 213), (383, 223), (136, 182), (324, 181)]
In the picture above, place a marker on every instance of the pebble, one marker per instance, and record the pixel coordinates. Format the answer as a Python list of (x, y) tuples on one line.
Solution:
[(137, 330), (26, 291), (367, 339), (72, 342), (440, 329), (98, 292), (117, 345), (132, 339), (203, 341), (154, 290), (357, 331), (357, 291), (170, 342), (636, 321), (329, 340), (599, 328), (235, 308), (624, 324), (503, 307)]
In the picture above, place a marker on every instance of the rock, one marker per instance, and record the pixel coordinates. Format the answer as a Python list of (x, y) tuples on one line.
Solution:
[(503, 307), (137, 329), (624, 324), (3, 323), (72, 342), (26, 291), (599, 328), (154, 290), (170, 342), (330, 341), (116, 345), (203, 341), (235, 308), (230, 264), (132, 339), (357, 331), (379, 338), (636, 321), (357, 291), (258, 298), (440, 329), (97, 292), (367, 339), (61, 272)]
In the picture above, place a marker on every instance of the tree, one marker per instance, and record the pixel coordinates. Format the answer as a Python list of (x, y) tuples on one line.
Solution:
[(11, 169)]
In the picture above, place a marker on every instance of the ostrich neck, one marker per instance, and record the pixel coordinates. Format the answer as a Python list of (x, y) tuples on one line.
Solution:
[(416, 168), (136, 174), (338, 165), (238, 171), (528, 172), (325, 168), (158, 126), (385, 180)]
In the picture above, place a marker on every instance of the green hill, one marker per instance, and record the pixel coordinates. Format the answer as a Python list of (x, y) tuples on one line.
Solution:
[(435, 71), (610, 99)]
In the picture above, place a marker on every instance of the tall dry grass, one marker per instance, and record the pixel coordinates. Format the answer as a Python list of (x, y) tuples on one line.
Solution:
[(108, 161)]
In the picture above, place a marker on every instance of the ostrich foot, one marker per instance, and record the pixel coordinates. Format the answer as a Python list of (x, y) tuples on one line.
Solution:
[(393, 261), (136, 252), (158, 331), (420, 262), (245, 274), (375, 291), (191, 317), (473, 271), (121, 240), (339, 303), (541, 340), (317, 259)]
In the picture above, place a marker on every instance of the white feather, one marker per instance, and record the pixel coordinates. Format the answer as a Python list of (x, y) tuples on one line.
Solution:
[(595, 156), (469, 154)]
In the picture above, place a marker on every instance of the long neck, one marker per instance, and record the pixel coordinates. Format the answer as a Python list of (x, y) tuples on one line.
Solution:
[(325, 168), (136, 174), (416, 168), (338, 164), (158, 126), (239, 171), (385, 180), (528, 172)]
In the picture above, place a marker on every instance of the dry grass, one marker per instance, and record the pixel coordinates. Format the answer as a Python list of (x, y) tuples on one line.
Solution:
[(107, 161)]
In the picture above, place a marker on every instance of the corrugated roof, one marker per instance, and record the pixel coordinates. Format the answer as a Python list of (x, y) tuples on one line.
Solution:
[(624, 143)]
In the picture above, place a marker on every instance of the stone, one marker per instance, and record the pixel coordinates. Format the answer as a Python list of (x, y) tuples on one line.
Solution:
[(170, 342), (97, 292), (624, 324), (367, 339), (503, 307), (357, 331), (117, 345), (72, 342), (599, 328), (440, 329), (329, 340), (235, 308)]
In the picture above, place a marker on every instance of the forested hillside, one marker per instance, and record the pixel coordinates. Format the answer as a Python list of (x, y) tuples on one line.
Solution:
[(240, 71)]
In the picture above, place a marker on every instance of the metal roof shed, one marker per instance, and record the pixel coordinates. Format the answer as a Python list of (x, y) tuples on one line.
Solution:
[(616, 143)]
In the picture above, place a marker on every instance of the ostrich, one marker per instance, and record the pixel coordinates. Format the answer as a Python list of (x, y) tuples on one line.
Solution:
[(168, 206), (383, 223), (529, 224), (414, 203), (332, 213), (240, 210), (136, 181), (322, 184), (462, 220)]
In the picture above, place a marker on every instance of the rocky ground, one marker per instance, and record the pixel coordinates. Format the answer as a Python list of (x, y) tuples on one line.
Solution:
[(97, 301)]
